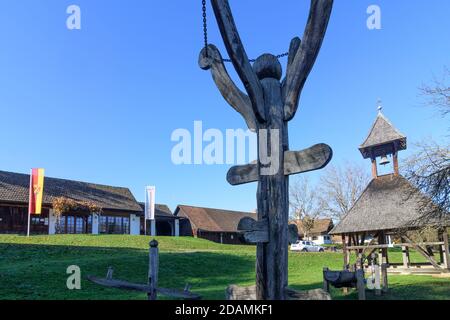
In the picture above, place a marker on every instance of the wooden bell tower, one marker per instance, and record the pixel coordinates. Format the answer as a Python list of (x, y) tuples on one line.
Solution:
[(383, 141)]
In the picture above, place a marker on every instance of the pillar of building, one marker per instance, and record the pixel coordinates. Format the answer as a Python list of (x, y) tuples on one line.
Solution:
[(135, 225), (177, 227), (51, 222), (95, 223), (153, 228)]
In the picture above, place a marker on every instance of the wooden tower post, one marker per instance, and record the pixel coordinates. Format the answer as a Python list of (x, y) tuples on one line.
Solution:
[(267, 108)]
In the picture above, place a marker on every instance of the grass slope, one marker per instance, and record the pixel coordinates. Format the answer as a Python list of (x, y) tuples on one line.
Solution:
[(35, 268)]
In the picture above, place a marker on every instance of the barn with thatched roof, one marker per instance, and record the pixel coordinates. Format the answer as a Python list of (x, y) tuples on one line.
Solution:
[(390, 207)]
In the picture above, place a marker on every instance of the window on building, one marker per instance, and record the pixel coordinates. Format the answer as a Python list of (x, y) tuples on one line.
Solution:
[(70, 225), (79, 225), (114, 225), (89, 224)]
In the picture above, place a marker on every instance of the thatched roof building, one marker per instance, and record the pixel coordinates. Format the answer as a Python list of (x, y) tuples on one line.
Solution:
[(390, 205)]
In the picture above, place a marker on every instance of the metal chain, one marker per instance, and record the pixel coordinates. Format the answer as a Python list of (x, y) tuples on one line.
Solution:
[(205, 36), (205, 27)]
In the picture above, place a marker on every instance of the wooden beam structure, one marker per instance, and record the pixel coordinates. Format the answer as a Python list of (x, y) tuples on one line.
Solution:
[(151, 288), (267, 107), (445, 249)]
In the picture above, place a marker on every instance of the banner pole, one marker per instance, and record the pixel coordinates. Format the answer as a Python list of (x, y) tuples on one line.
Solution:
[(29, 202), (28, 227)]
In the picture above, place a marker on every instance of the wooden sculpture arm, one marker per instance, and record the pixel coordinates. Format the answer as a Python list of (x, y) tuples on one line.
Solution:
[(235, 97), (306, 54), (239, 57)]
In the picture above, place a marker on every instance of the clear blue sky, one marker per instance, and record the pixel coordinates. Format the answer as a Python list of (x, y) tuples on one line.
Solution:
[(99, 104)]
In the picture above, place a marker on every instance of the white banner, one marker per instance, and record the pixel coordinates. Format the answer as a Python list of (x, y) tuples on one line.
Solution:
[(150, 203)]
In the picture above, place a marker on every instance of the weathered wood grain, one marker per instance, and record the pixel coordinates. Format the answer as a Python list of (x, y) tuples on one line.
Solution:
[(120, 284), (295, 162), (250, 224), (314, 158), (301, 66), (238, 56), (152, 287), (153, 269), (238, 175), (273, 105), (234, 292), (423, 252), (125, 285), (254, 231), (231, 93), (273, 202)]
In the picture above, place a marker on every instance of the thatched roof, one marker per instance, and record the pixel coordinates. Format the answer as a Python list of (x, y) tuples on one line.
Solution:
[(213, 220), (14, 188), (161, 210), (321, 227), (389, 202), (382, 133)]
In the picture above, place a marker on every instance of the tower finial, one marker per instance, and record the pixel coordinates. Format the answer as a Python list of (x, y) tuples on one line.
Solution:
[(380, 106)]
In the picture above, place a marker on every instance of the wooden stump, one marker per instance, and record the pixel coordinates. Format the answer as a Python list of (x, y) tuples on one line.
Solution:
[(234, 292)]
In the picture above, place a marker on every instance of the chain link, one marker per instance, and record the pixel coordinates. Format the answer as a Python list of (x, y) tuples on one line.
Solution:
[(205, 27), (205, 36)]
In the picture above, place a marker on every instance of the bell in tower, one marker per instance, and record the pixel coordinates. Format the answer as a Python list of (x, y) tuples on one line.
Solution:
[(383, 140), (384, 160)]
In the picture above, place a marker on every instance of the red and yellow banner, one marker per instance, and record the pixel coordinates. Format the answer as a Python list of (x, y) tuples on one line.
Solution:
[(36, 191)]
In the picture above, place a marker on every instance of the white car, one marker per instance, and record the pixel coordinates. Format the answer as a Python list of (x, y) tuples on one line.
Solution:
[(306, 246)]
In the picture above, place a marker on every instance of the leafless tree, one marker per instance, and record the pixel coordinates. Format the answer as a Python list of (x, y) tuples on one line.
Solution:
[(304, 204), (437, 93), (429, 170), (429, 167), (340, 188)]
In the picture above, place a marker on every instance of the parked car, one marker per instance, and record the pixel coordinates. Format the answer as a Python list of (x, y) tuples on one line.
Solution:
[(306, 246)]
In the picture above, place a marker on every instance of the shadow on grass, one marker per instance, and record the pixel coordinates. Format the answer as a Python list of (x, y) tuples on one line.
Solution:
[(30, 271), (39, 271)]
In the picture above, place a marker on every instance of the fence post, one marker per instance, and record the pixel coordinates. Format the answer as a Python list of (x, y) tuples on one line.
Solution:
[(360, 285), (384, 277), (153, 267)]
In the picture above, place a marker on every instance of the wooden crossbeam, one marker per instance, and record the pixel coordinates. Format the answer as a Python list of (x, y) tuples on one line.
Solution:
[(258, 231), (125, 285), (295, 162), (254, 231), (423, 252), (385, 246), (151, 289)]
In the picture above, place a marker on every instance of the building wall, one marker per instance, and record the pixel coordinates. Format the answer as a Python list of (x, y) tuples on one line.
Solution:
[(221, 237), (320, 239)]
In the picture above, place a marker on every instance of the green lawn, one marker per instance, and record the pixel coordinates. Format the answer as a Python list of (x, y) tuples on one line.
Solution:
[(35, 268)]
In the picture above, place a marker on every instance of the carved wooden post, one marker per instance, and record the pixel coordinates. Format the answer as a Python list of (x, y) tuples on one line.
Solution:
[(153, 267), (360, 285), (384, 277), (267, 109), (446, 250)]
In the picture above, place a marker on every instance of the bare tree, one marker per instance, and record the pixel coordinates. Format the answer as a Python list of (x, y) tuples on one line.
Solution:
[(304, 203), (429, 170), (340, 188), (429, 167), (437, 93)]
